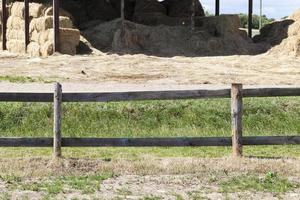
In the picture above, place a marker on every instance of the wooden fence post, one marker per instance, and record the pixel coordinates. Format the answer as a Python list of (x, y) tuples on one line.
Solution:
[(57, 121), (236, 115)]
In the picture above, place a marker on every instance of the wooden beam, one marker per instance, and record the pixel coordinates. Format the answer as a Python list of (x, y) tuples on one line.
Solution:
[(146, 95), (56, 42), (271, 140), (250, 14), (146, 142), (4, 24), (149, 142), (57, 121), (26, 142), (271, 92), (26, 97), (26, 16), (236, 116), (217, 8)]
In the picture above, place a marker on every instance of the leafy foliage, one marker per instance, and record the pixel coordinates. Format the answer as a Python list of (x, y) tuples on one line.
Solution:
[(255, 20)]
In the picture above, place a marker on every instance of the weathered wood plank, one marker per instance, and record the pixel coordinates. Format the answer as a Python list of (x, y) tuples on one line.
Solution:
[(148, 142), (57, 120), (236, 117), (26, 142), (271, 140), (271, 92), (147, 95), (4, 24), (26, 97)]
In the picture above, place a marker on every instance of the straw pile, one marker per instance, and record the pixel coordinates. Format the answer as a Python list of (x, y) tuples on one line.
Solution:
[(216, 36), (291, 45), (41, 31), (282, 37)]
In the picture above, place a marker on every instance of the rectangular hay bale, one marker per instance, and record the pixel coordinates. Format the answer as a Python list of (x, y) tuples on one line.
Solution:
[(16, 46)]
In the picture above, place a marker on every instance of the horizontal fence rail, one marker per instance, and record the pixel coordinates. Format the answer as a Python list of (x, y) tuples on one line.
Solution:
[(236, 93), (147, 95), (149, 142)]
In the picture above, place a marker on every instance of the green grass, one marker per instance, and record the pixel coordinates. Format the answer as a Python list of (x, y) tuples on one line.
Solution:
[(187, 118), (271, 182), (23, 79), (88, 184)]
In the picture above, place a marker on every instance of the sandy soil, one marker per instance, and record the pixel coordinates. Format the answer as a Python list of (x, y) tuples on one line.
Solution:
[(141, 69), (156, 187), (149, 178)]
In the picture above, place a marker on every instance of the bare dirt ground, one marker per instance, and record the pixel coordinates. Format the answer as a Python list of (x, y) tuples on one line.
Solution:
[(150, 178), (141, 69)]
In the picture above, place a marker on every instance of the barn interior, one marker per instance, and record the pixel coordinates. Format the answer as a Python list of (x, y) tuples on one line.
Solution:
[(152, 27)]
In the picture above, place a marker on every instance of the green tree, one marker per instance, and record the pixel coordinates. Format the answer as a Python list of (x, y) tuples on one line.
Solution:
[(255, 20)]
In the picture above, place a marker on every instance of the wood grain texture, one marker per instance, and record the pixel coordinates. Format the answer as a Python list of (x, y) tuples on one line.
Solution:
[(149, 142), (236, 117), (57, 120), (146, 95)]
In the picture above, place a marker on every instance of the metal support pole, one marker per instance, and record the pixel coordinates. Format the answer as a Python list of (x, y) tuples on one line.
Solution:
[(236, 116), (57, 121), (250, 13), (217, 10), (26, 16), (56, 25), (123, 14), (4, 24), (193, 16), (260, 14)]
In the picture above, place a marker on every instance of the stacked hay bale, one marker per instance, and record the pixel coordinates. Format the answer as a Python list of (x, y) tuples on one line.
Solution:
[(40, 30)]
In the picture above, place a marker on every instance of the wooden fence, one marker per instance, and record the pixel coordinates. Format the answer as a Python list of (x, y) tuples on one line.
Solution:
[(236, 93)]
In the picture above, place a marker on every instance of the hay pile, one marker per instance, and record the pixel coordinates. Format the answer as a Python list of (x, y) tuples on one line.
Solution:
[(218, 35), (282, 37), (41, 31)]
